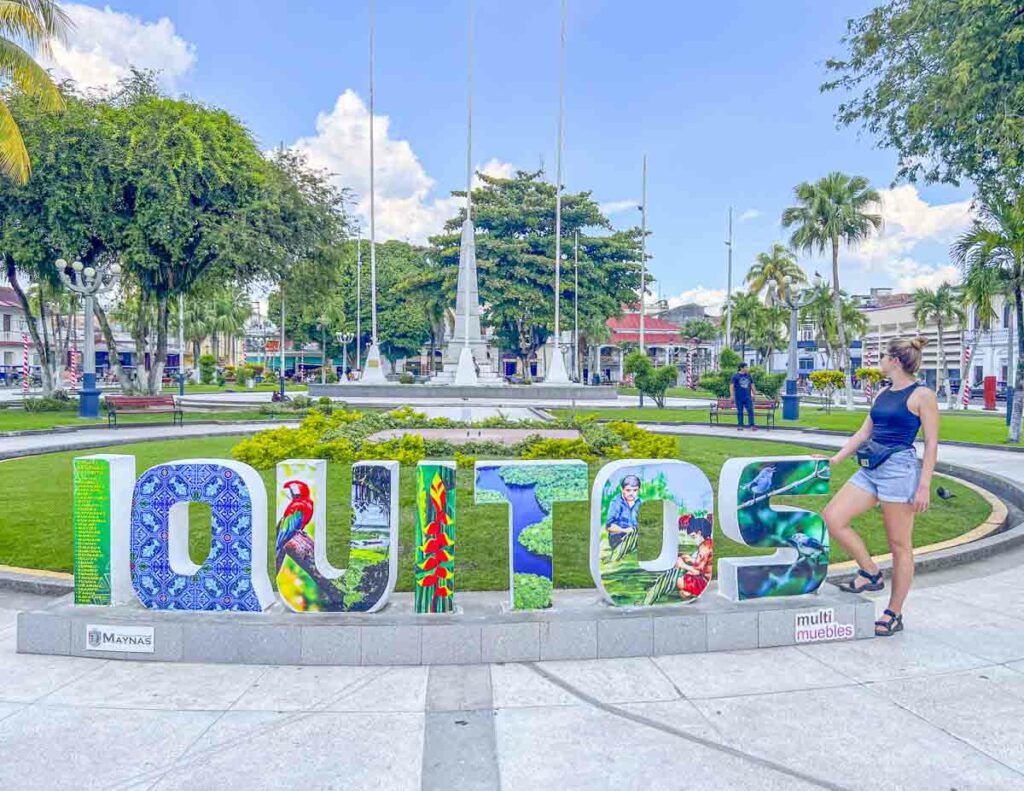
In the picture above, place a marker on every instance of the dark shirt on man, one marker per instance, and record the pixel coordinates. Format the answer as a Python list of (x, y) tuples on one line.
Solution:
[(742, 385)]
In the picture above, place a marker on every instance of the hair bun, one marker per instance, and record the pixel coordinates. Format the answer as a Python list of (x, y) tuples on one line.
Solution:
[(919, 342)]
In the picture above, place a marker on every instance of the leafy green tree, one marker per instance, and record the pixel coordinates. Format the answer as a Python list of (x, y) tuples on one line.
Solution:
[(939, 82), (650, 381), (64, 211), (34, 24), (190, 194), (995, 240), (941, 306), (772, 272), (834, 210), (515, 221)]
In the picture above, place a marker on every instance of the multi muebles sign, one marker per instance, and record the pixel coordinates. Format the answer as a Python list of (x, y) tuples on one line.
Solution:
[(131, 532)]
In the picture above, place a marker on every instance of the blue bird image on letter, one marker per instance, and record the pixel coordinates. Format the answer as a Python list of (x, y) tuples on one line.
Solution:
[(761, 485)]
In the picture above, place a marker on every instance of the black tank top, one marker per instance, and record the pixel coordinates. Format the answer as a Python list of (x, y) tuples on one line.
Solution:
[(894, 424)]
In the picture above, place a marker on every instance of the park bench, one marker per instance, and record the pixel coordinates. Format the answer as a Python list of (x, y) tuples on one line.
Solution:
[(726, 406), (142, 405)]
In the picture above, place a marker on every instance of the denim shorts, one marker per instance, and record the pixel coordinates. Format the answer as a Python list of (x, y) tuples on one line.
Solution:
[(894, 480)]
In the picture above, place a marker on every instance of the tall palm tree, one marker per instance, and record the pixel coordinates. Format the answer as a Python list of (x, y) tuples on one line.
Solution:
[(995, 240), (771, 271), (834, 210), (769, 332), (981, 285), (941, 306), (32, 24), (746, 310), (820, 313), (435, 309)]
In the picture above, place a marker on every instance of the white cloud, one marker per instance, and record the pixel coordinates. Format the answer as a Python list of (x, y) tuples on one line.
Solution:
[(104, 44), (711, 298), (749, 214), (494, 168), (618, 206), (911, 274), (910, 221), (405, 208)]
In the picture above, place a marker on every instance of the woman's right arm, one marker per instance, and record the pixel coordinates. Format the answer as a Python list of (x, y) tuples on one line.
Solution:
[(854, 442)]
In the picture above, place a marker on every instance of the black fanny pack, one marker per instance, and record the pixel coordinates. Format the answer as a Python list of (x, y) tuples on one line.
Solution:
[(872, 454)]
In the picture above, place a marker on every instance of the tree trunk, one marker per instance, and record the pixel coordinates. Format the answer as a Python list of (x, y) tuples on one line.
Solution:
[(26, 307), (112, 356), (1018, 394), (943, 372), (844, 347), (158, 360)]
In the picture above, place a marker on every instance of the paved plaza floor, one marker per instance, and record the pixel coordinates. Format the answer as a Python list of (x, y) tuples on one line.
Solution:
[(940, 706)]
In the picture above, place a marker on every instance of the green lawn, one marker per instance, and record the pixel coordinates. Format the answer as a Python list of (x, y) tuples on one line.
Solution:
[(35, 523), (978, 427), (20, 420)]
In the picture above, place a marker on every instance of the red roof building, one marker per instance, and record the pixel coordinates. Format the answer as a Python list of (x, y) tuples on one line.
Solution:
[(657, 332)]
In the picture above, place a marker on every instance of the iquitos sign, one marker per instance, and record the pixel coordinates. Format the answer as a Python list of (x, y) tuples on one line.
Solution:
[(131, 532)]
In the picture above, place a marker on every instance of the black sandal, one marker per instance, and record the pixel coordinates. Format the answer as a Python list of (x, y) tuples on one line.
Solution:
[(875, 583), (887, 627)]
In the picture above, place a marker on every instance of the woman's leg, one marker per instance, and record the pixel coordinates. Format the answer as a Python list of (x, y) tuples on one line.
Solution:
[(899, 526), (850, 502)]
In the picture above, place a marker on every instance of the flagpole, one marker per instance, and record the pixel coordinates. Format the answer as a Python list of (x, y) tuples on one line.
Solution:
[(374, 371), (557, 374)]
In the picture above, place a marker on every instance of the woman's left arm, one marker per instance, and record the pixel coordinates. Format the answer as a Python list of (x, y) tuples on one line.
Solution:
[(928, 411)]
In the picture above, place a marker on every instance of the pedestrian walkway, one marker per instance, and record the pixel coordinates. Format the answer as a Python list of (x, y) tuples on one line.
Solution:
[(939, 706), (993, 461)]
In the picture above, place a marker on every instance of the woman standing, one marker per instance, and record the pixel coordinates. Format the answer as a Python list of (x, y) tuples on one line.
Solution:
[(889, 474)]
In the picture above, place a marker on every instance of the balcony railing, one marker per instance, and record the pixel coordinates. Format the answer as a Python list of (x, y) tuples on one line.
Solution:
[(987, 337), (10, 337)]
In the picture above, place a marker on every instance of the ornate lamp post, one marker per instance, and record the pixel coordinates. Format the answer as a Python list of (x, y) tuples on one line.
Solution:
[(344, 338), (795, 302), (87, 282), (321, 323)]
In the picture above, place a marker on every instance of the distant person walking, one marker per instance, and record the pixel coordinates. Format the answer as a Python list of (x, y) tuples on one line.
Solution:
[(890, 474), (742, 390)]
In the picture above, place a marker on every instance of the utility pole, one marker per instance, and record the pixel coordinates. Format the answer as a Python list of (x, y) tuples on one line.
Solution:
[(728, 288)]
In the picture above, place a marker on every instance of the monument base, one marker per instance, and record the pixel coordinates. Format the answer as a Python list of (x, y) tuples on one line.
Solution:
[(501, 392), (579, 626)]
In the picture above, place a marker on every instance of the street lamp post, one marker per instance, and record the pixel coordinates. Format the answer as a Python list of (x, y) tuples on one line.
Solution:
[(344, 338), (87, 282), (795, 302), (322, 324)]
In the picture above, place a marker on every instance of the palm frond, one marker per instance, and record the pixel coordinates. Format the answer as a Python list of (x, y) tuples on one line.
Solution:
[(14, 159), (28, 76)]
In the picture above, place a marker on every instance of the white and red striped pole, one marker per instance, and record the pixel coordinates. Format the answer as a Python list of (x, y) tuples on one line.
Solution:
[(25, 371), (689, 368), (868, 360), (965, 386)]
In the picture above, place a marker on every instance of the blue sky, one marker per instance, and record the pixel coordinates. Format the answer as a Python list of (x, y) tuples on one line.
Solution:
[(723, 97)]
